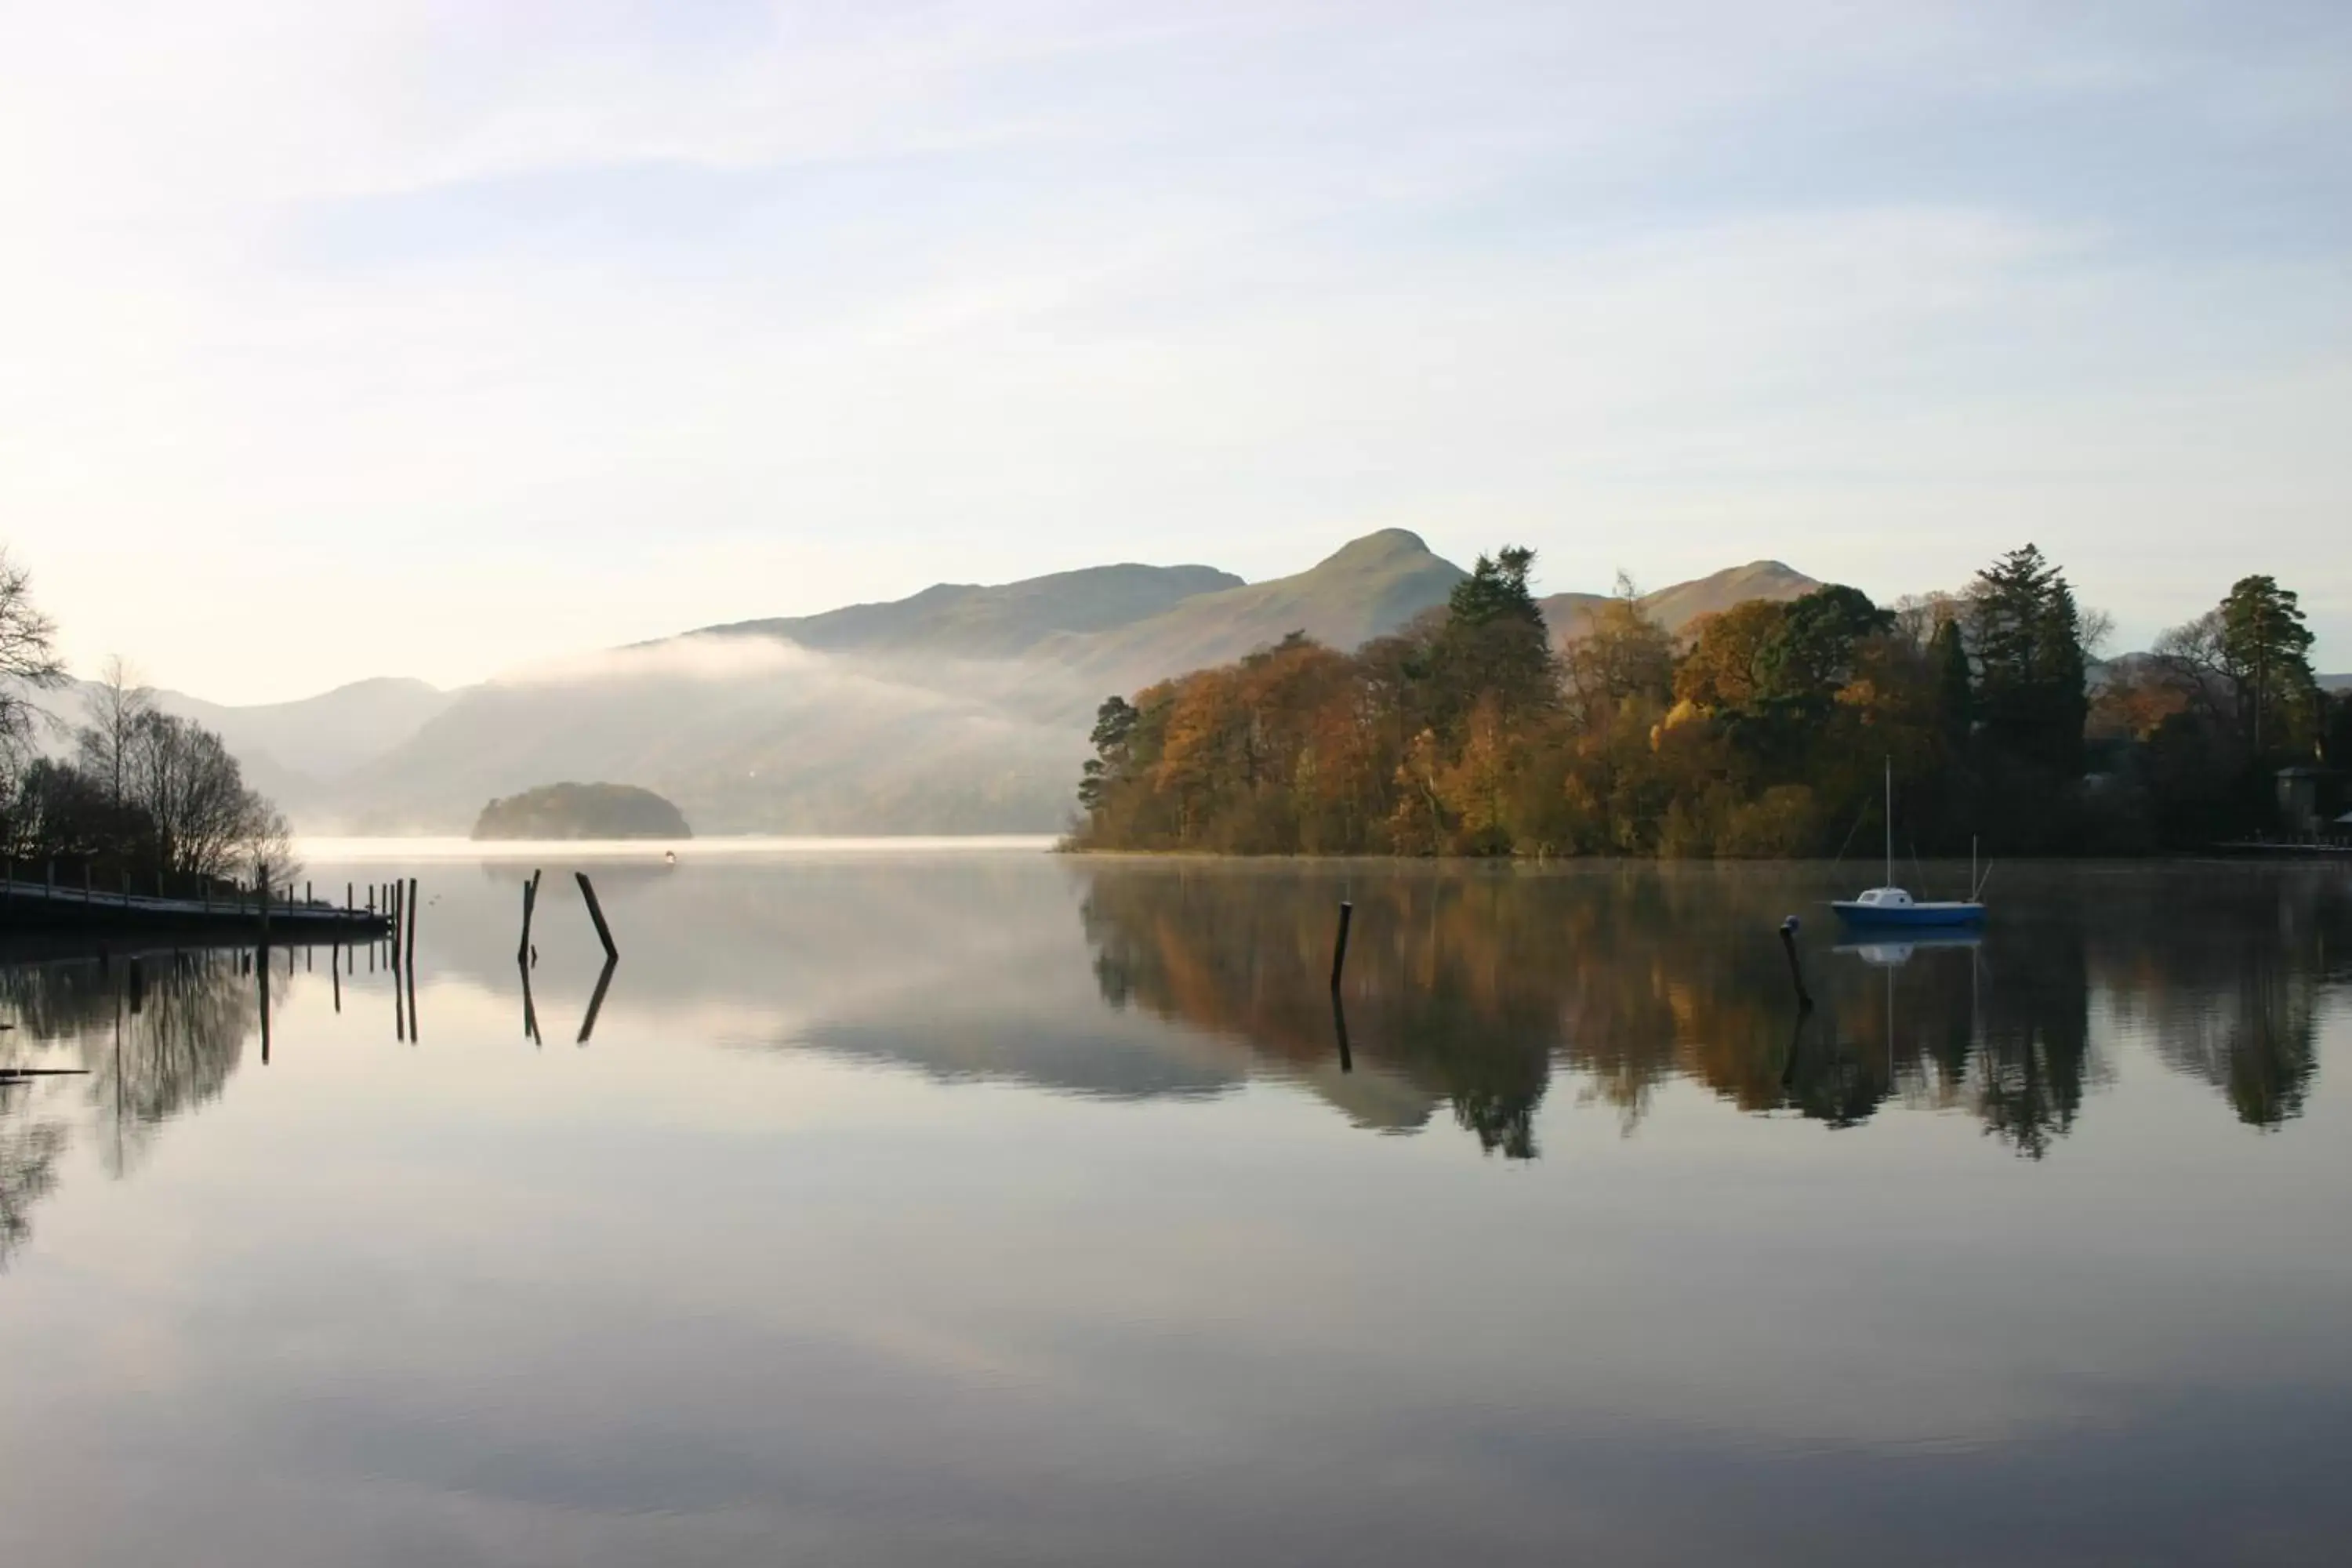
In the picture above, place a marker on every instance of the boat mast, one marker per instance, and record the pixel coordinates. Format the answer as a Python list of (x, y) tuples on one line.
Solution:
[(1890, 822)]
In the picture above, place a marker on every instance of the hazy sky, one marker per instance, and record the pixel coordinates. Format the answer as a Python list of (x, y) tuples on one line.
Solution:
[(394, 337)]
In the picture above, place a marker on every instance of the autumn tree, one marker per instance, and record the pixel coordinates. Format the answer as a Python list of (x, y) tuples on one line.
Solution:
[(1623, 657), (1726, 665)]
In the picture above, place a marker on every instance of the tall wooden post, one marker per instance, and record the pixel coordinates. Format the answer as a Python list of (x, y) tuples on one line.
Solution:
[(1796, 970), (596, 913), (529, 902)]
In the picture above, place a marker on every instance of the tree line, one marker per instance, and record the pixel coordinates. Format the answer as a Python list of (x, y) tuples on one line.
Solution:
[(132, 792), (1759, 731)]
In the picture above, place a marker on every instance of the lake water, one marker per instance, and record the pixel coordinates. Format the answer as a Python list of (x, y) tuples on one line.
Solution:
[(986, 1207)]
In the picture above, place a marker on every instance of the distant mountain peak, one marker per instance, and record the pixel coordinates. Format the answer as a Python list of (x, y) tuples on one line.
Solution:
[(1677, 604), (1380, 547)]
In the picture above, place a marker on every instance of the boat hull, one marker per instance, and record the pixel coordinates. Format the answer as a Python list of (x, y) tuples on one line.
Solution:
[(1945, 914)]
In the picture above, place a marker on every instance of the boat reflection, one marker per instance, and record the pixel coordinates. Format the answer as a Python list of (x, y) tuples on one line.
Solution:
[(1473, 989), (1894, 954)]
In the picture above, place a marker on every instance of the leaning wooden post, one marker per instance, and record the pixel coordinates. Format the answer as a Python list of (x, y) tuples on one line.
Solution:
[(603, 932), (408, 907), (1339, 947), (529, 902)]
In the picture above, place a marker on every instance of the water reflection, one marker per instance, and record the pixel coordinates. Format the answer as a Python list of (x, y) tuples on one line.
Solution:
[(953, 1209), (152, 1036), (29, 1147), (1472, 987)]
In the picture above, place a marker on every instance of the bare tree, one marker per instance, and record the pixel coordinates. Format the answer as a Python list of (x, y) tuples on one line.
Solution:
[(193, 793), (1919, 617), (2195, 664), (28, 659), (114, 708)]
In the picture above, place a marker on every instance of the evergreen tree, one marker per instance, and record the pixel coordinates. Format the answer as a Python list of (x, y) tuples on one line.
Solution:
[(1493, 644), (1114, 728), (1954, 703), (2265, 651), (2026, 632)]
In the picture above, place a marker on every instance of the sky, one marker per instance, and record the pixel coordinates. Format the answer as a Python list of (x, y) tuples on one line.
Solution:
[(436, 337)]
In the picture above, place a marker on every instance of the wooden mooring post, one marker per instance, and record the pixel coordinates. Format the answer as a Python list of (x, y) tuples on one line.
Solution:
[(596, 913), (529, 902), (1796, 970), (1339, 946)]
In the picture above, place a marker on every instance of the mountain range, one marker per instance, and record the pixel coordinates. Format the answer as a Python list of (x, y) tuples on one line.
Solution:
[(962, 708)]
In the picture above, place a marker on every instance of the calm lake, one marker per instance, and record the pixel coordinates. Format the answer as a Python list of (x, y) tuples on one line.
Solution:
[(980, 1205)]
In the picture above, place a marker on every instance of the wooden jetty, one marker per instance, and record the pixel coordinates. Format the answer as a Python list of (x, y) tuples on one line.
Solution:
[(43, 908)]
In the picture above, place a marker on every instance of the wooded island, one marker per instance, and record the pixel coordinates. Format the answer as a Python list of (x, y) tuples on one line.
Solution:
[(1760, 731), (583, 811)]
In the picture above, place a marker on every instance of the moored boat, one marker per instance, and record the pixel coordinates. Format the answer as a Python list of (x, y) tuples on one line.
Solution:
[(1888, 905)]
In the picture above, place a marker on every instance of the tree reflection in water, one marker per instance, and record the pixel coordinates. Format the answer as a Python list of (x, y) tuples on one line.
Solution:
[(29, 1147), (158, 1036), (1470, 982)]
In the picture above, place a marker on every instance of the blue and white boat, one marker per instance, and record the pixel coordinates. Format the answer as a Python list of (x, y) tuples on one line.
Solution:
[(1888, 905)]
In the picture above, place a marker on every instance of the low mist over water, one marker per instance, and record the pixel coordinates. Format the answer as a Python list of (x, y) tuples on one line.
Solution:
[(964, 1203)]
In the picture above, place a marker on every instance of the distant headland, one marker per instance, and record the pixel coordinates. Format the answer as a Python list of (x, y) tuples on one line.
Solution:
[(583, 811)]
